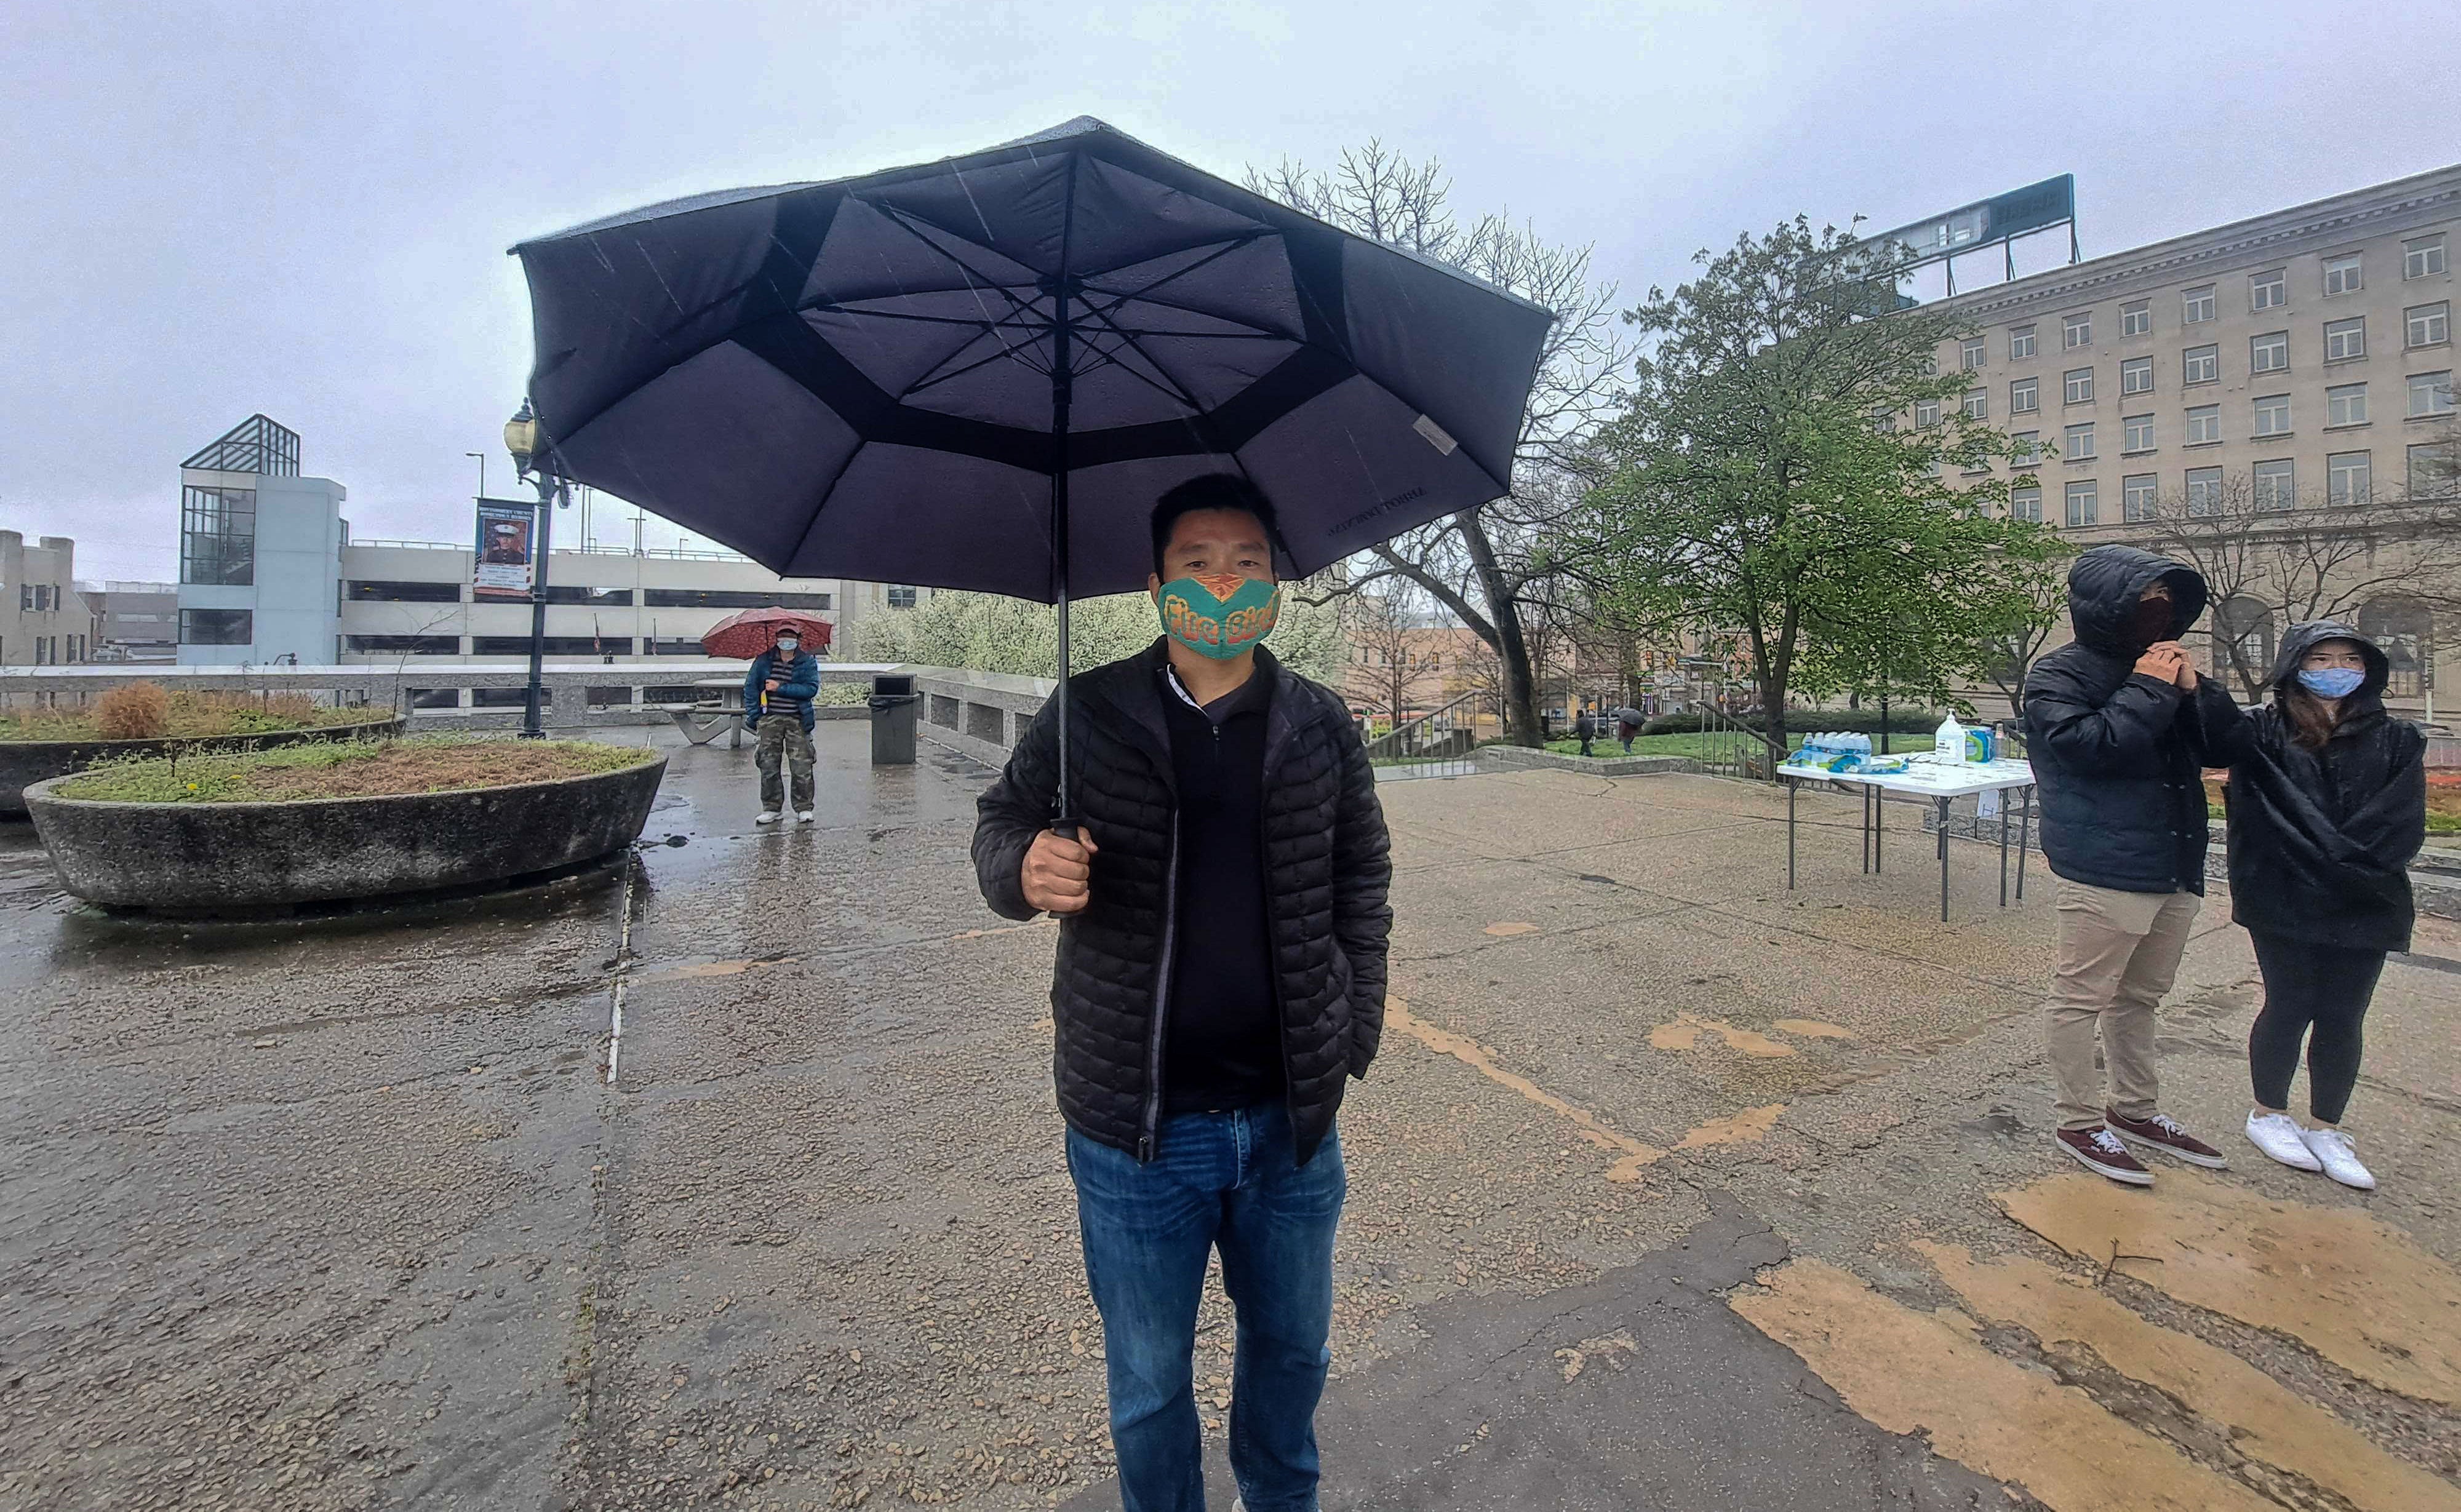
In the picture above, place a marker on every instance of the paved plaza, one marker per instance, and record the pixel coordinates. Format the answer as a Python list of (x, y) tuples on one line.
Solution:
[(730, 1176)]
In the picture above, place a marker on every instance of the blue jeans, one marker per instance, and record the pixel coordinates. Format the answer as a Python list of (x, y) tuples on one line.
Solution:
[(1229, 1179)]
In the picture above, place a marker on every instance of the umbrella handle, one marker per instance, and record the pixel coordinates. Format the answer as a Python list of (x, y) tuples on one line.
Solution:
[(1064, 828)]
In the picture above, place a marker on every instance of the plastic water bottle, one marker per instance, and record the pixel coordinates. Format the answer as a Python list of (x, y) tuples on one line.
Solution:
[(1948, 741)]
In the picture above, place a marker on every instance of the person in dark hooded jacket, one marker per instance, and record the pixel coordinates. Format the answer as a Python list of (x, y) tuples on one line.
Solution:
[(2327, 802), (2114, 728)]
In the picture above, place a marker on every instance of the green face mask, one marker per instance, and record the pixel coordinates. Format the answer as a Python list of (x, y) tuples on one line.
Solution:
[(1220, 615)]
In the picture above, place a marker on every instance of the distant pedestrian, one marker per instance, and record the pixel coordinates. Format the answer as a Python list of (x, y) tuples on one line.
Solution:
[(2114, 725), (2327, 804), (778, 693), (1586, 726), (1628, 722)]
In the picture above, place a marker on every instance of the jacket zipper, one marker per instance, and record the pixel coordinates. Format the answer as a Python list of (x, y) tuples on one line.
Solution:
[(1159, 1034)]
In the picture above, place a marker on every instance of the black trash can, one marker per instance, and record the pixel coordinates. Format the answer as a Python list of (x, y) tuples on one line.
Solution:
[(892, 720)]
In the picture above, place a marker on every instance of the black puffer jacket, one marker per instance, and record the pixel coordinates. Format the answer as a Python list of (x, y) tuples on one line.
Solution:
[(2118, 756), (1327, 865), (2320, 841)]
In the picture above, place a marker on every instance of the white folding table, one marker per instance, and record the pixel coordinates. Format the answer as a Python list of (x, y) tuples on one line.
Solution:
[(1938, 782)]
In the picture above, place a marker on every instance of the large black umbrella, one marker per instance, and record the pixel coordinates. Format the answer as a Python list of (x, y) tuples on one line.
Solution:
[(981, 373)]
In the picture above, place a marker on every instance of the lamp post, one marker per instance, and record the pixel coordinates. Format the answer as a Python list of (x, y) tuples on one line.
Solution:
[(482, 471), (533, 452)]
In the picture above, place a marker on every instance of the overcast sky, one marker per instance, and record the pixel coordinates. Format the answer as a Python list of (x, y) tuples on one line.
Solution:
[(303, 209)]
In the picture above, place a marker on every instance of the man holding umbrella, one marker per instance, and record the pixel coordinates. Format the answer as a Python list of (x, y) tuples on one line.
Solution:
[(1221, 972), (778, 694)]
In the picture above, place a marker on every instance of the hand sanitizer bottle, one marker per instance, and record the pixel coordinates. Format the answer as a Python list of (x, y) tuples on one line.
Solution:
[(1948, 741)]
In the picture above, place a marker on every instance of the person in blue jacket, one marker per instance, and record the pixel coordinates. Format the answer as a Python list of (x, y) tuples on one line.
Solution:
[(778, 693)]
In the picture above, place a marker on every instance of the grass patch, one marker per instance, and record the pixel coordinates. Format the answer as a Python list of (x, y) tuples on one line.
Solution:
[(198, 716), (1689, 743), (349, 769)]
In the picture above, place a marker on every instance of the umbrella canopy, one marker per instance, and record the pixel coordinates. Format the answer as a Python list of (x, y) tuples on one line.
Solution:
[(981, 373), (751, 631)]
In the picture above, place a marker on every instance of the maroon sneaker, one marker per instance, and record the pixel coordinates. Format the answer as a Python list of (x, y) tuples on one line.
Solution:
[(2098, 1150), (2162, 1132)]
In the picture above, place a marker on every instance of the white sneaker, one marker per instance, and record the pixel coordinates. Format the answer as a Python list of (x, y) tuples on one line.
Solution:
[(2332, 1147), (767, 816), (804, 818), (2277, 1134)]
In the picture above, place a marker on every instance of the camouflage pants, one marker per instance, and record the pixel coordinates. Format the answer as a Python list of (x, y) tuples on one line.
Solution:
[(781, 738)]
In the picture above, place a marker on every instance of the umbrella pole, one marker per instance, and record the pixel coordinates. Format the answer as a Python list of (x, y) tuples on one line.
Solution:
[(1063, 821)]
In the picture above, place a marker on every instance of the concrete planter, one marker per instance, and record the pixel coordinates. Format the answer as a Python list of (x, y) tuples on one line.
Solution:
[(236, 858), (22, 764)]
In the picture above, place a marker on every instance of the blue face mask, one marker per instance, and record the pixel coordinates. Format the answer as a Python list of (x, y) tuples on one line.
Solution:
[(2332, 682)]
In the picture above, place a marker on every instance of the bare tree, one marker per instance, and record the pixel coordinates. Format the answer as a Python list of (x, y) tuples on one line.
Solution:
[(1380, 628), (2265, 559), (1499, 569)]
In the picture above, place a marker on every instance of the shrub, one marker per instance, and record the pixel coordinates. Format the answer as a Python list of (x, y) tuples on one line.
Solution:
[(133, 711)]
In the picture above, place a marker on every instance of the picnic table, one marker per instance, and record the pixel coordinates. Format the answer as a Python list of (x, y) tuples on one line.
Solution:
[(702, 719), (1936, 782)]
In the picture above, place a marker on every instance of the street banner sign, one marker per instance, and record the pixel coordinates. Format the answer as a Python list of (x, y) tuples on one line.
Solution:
[(506, 557)]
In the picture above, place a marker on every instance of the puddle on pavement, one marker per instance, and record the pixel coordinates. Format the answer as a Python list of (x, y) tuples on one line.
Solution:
[(1469, 1053), (2357, 1291), (2255, 1415), (1917, 1373)]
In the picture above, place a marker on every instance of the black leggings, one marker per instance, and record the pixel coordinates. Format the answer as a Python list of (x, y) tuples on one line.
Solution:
[(2322, 986)]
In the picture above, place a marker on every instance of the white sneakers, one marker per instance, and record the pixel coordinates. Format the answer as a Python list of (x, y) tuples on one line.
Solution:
[(804, 818), (767, 816), (2281, 1137), (2332, 1147)]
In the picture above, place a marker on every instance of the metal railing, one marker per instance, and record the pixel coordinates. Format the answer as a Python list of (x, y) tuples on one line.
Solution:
[(1728, 747), (1448, 730)]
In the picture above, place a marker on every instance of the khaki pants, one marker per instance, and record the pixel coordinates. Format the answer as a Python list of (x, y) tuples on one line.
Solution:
[(2119, 953), (781, 738)]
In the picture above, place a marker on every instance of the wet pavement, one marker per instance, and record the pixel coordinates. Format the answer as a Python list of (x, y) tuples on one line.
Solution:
[(729, 1176)]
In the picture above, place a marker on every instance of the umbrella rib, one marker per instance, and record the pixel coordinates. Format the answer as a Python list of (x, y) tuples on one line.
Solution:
[(1007, 353), (1177, 389), (1024, 309)]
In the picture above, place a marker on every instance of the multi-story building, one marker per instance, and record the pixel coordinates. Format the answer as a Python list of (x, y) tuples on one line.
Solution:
[(132, 621), (2279, 389), (42, 620), (260, 551)]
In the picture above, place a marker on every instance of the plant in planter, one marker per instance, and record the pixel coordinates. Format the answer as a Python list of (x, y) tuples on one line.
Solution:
[(142, 719), (237, 831)]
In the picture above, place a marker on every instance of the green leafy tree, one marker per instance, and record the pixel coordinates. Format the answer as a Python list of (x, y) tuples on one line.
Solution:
[(1781, 477), (993, 633)]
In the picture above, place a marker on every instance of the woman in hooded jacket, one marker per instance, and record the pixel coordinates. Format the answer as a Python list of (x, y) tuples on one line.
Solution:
[(2327, 802)]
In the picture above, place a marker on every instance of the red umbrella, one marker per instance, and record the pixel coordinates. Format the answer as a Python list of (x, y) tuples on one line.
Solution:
[(755, 631)]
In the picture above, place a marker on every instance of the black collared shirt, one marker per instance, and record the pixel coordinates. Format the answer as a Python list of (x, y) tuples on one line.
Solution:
[(1224, 1046)]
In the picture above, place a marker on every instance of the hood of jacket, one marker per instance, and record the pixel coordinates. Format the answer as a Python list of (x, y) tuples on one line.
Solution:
[(2303, 637), (2104, 585)]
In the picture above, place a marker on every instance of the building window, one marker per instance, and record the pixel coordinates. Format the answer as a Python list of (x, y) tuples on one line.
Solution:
[(2077, 330), (231, 627), (2435, 470), (2269, 352), (2085, 507), (1977, 405), (2204, 490), (2342, 276), (2346, 404), (2272, 414), (2201, 365), (2204, 425), (1971, 353), (1926, 414), (2428, 325), (413, 644), (2136, 497), (553, 646), (2422, 256), (2021, 342), (2024, 396), (2136, 319), (2277, 485), (2078, 386), (2267, 290), (370, 591), (2345, 340), (2136, 434), (2347, 480), (901, 596), (674, 646), (2136, 375), (2430, 393), (2196, 305), (217, 538), (728, 599), (2026, 503), (602, 598), (2076, 443), (2029, 449)]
